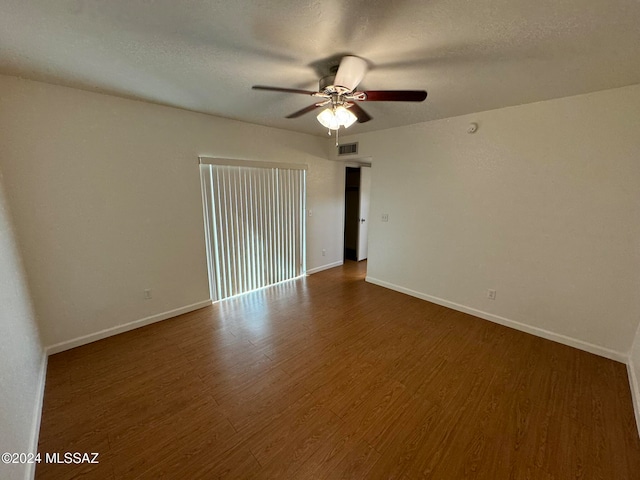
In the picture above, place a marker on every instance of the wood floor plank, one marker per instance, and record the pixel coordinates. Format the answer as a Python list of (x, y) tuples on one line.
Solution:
[(293, 451), (401, 445), (330, 377), (343, 455)]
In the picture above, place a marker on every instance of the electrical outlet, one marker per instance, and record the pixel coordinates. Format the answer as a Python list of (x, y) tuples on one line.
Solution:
[(147, 293), (385, 217), (491, 294), (324, 252)]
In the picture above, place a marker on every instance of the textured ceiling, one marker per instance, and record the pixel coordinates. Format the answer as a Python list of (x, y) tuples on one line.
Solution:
[(205, 55)]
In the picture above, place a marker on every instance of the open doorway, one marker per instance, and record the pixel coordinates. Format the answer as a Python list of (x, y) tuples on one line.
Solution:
[(356, 212)]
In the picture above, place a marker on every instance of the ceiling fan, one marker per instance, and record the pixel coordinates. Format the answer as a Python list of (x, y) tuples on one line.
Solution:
[(339, 95)]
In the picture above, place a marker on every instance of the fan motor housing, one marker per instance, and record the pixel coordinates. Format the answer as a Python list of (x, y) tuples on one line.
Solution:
[(327, 81)]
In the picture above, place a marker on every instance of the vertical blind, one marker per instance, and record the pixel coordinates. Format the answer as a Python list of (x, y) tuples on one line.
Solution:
[(255, 226)]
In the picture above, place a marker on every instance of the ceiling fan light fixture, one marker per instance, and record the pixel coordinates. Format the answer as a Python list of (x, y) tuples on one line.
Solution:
[(345, 117), (334, 118), (328, 119)]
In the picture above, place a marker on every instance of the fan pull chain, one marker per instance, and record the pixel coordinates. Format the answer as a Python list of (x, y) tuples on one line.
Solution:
[(337, 136)]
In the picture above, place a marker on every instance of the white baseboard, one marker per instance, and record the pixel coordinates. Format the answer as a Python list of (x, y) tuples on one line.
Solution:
[(635, 391), (76, 342), (37, 415), (325, 267), (539, 332)]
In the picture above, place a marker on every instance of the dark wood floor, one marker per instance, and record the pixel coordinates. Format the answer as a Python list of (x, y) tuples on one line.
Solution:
[(331, 377)]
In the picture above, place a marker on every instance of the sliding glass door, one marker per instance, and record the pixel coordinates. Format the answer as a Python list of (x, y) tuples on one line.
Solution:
[(254, 223)]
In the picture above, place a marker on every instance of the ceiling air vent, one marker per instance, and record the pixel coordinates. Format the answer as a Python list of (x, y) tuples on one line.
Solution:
[(348, 149)]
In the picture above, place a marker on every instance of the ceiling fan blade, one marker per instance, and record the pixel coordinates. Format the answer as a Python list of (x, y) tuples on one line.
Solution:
[(358, 111), (395, 95), (350, 72), (286, 90), (299, 113)]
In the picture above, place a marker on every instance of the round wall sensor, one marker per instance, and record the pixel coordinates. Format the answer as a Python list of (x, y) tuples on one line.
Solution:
[(473, 127)]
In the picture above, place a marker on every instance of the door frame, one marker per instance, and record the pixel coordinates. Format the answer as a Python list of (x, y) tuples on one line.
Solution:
[(357, 162)]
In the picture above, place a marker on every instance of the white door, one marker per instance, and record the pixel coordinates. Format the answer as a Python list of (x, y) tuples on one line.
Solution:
[(363, 216)]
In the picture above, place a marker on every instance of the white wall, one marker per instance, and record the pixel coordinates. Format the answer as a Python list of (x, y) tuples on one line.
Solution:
[(106, 195), (22, 359), (541, 204)]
